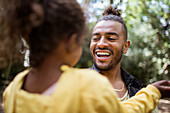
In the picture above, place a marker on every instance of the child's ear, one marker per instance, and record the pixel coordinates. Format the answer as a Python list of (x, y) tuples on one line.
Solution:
[(126, 46), (71, 43)]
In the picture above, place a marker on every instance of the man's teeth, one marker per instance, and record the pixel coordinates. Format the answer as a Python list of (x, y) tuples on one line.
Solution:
[(102, 53)]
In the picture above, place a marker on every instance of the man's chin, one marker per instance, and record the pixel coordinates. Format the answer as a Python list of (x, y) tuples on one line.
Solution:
[(103, 68)]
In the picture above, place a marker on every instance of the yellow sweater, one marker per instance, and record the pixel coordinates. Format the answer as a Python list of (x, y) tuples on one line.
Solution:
[(77, 91)]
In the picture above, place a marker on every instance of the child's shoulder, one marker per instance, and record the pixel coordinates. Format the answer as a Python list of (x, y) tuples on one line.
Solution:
[(88, 78), (84, 73), (15, 83), (91, 84)]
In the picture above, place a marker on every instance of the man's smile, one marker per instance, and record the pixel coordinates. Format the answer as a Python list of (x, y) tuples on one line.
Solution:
[(102, 55)]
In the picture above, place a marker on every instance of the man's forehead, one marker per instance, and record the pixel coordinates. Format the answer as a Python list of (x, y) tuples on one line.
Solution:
[(107, 26)]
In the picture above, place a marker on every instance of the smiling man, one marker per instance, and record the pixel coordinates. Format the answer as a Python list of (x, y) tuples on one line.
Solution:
[(108, 44)]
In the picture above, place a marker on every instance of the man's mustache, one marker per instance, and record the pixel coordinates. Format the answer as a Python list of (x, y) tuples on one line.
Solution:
[(98, 48)]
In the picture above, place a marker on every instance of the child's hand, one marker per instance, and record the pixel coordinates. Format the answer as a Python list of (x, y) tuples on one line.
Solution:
[(164, 87)]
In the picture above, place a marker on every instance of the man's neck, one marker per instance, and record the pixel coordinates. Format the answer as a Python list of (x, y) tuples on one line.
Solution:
[(113, 74)]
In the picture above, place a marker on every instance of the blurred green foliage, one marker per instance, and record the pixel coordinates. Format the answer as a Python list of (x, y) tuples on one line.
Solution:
[(148, 57), (148, 28)]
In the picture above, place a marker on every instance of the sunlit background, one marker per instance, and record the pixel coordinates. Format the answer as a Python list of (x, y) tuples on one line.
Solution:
[(148, 57)]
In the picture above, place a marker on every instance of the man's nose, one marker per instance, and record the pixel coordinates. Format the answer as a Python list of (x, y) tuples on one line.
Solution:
[(102, 43)]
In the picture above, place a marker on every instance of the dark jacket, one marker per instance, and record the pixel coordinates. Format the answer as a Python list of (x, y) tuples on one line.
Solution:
[(133, 85)]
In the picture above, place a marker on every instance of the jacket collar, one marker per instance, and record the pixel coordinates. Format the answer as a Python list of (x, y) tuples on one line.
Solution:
[(125, 75)]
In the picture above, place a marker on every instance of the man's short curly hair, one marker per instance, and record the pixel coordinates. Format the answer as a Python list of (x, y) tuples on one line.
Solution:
[(114, 14)]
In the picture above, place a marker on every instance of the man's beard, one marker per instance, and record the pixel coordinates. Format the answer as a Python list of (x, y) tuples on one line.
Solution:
[(112, 64)]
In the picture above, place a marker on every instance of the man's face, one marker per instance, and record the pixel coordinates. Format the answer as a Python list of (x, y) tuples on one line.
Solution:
[(107, 44)]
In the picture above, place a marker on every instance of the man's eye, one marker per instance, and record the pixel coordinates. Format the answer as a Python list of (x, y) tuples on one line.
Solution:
[(95, 39), (111, 39)]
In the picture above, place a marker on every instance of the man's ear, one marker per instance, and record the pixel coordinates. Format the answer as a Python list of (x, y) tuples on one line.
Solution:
[(126, 46), (71, 43)]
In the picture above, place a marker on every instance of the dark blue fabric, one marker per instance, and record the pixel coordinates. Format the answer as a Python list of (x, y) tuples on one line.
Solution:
[(133, 85)]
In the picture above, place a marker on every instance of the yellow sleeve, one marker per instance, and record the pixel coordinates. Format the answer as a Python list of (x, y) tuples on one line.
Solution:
[(98, 97), (144, 101)]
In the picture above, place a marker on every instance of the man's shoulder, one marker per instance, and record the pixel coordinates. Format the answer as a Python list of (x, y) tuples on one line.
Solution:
[(133, 84), (129, 79)]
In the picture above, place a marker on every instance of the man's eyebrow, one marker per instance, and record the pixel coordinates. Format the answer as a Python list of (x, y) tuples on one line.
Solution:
[(112, 33), (95, 34)]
